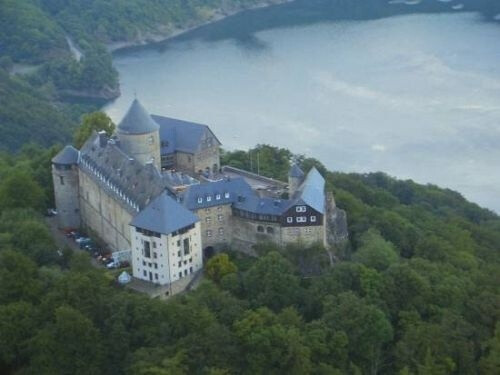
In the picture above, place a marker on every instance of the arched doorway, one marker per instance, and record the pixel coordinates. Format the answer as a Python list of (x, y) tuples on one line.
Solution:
[(208, 252)]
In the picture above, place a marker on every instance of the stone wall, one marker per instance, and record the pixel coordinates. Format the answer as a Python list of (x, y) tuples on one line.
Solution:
[(142, 147), (102, 215), (247, 231), (184, 162), (306, 235), (218, 221), (66, 187)]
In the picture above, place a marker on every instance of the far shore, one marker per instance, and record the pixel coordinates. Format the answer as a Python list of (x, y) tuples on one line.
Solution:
[(169, 34)]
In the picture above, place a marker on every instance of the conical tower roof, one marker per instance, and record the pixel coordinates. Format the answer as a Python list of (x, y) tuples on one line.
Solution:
[(137, 121)]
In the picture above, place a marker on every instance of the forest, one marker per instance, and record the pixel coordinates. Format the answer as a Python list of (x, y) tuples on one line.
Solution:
[(415, 291)]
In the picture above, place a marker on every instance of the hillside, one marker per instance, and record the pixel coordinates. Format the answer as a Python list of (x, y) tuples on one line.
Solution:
[(37, 32), (416, 291)]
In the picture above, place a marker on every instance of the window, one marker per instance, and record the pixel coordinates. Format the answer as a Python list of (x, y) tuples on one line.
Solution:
[(300, 209), (200, 200), (154, 245), (209, 198), (226, 195), (208, 219), (221, 231), (145, 273), (178, 243), (270, 230), (186, 246), (180, 264), (260, 229), (147, 249), (151, 140), (217, 197), (209, 233), (301, 219), (289, 220), (185, 272), (155, 255), (220, 217), (313, 219), (61, 180), (143, 262), (156, 276), (180, 275), (190, 269), (179, 253), (156, 266)]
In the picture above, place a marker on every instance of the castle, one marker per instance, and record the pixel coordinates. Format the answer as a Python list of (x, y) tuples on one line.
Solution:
[(156, 191)]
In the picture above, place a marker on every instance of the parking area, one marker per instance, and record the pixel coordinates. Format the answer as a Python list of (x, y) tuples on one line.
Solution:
[(79, 242)]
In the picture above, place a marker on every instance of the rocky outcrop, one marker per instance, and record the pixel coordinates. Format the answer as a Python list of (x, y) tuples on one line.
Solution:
[(336, 223)]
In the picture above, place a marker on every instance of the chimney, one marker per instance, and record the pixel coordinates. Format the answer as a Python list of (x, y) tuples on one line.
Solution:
[(103, 138)]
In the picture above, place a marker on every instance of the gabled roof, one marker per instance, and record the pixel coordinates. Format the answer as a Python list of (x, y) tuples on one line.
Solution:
[(295, 171), (179, 135), (311, 192), (67, 156), (137, 121), (164, 215)]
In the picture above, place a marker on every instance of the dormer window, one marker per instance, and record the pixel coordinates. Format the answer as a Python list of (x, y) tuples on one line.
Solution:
[(209, 198), (226, 195), (200, 200), (217, 197)]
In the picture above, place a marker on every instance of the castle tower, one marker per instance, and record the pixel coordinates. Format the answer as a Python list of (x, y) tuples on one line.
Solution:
[(65, 178), (295, 178), (139, 135)]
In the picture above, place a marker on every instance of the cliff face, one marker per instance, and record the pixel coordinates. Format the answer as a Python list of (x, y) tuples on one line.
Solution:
[(336, 223)]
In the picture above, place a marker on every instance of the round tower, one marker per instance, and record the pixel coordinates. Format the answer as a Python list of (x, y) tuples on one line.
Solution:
[(139, 135), (295, 178), (66, 187)]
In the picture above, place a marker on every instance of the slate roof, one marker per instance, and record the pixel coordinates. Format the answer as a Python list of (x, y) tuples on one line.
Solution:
[(132, 184), (137, 121), (232, 191), (262, 206), (295, 171), (228, 189), (311, 192), (179, 135), (67, 156), (164, 215)]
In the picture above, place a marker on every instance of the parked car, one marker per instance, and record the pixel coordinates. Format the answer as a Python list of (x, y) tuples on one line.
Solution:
[(73, 234), (80, 239), (112, 265)]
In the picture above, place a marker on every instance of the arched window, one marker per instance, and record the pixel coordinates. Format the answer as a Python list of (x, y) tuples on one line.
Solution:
[(270, 230), (260, 229)]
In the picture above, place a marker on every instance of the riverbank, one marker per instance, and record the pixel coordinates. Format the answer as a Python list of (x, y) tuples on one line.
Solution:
[(171, 33)]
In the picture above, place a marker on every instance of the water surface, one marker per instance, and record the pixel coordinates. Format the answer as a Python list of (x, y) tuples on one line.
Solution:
[(416, 96)]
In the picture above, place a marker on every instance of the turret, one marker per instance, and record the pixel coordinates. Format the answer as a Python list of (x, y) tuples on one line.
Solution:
[(295, 178), (66, 190), (139, 135)]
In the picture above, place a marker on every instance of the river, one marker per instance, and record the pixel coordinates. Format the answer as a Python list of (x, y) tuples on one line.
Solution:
[(415, 95)]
